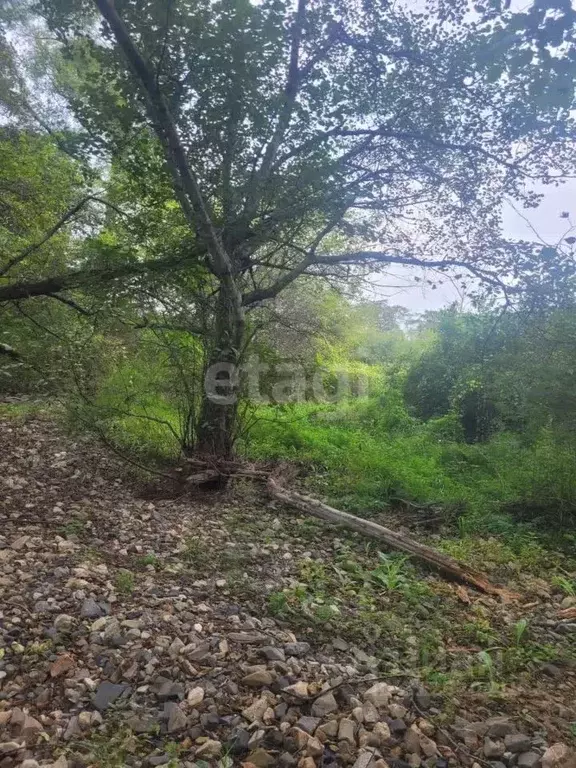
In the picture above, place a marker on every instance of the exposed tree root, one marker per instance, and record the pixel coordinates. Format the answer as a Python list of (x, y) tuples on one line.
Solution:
[(208, 470)]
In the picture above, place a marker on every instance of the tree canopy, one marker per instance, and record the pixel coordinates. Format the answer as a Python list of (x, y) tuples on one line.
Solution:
[(227, 149)]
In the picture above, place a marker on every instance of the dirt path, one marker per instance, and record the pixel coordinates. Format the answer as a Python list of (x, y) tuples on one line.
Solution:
[(142, 633)]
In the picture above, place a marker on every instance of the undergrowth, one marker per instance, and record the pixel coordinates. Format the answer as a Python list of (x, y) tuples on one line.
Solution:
[(366, 454)]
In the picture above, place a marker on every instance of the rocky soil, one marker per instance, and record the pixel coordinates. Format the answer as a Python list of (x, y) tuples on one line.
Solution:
[(125, 639)]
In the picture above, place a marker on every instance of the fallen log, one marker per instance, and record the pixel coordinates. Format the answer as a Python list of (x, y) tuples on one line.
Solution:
[(447, 565), (208, 469)]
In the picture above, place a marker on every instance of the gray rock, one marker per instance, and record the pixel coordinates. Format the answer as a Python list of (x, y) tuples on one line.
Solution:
[(397, 711), (256, 710), (175, 648), (379, 694), (259, 679), (238, 742), (31, 730), (329, 729), (9, 748), (261, 759), (423, 698), (195, 696), (158, 759), (167, 689), (176, 718), (199, 653), (107, 693), (346, 730), (297, 649), (517, 742), (63, 623), (529, 760), (42, 606), (72, 729), (558, 756), (308, 724), (493, 749), (272, 653), (552, 671), (324, 705), (412, 741), (112, 634), (498, 727), (382, 733), (363, 658), (210, 748), (90, 609), (365, 759), (246, 638), (340, 645), (142, 723), (210, 721), (369, 713)]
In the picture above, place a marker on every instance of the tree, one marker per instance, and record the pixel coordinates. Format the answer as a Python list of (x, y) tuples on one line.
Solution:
[(322, 139)]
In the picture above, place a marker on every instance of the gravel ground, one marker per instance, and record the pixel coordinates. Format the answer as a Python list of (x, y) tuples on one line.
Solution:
[(134, 631)]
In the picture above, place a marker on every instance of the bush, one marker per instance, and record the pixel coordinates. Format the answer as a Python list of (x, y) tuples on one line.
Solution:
[(364, 454)]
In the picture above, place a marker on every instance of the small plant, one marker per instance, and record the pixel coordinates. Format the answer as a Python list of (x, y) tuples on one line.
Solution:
[(568, 586), (487, 669), (278, 603), (173, 750), (149, 559), (38, 648), (520, 631), (74, 527), (125, 582), (195, 552), (390, 572), (325, 612), (109, 749), (465, 527), (480, 631)]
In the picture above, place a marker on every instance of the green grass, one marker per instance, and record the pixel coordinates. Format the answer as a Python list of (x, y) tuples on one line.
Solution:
[(363, 461), (364, 455), (23, 411), (125, 582)]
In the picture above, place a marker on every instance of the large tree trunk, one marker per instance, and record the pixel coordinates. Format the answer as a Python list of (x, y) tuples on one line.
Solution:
[(219, 410)]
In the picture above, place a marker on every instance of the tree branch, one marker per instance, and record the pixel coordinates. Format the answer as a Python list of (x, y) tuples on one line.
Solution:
[(78, 278), (19, 258), (289, 99), (367, 257), (72, 304), (184, 181), (384, 132), (192, 330)]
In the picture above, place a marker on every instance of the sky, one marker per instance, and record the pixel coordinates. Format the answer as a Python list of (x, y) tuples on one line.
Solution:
[(538, 224)]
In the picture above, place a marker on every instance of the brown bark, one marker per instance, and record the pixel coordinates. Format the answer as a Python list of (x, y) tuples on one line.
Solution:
[(217, 424)]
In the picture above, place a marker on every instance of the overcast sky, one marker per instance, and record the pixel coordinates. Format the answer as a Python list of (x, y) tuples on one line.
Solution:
[(543, 223)]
